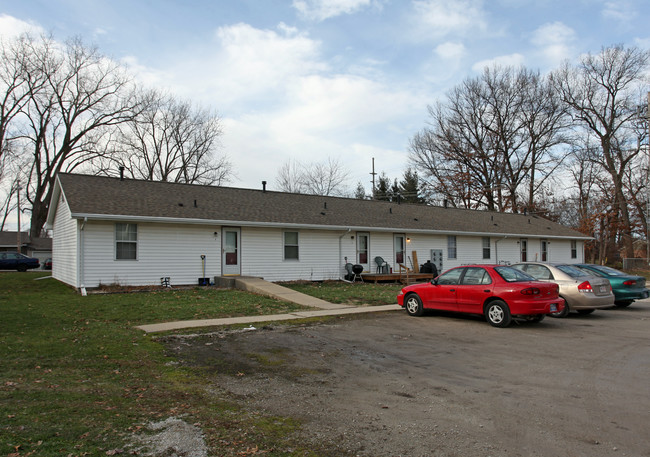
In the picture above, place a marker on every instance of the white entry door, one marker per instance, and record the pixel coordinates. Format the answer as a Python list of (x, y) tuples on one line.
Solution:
[(231, 251)]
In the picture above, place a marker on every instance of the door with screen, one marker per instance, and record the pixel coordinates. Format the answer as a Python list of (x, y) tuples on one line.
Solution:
[(231, 252)]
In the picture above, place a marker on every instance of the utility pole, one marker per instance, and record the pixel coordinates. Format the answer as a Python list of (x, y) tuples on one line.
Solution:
[(647, 198), (373, 170), (18, 237)]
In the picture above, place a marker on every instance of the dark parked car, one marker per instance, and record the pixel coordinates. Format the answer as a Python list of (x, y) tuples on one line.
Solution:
[(627, 288), (47, 265), (16, 261), (498, 292)]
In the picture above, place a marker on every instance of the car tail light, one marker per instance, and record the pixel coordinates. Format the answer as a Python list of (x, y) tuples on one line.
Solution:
[(585, 287), (630, 282), (531, 291)]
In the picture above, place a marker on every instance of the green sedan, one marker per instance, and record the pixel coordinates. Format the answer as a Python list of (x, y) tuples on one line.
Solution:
[(627, 288)]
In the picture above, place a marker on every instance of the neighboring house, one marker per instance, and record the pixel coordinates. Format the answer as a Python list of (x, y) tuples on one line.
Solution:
[(41, 248), (129, 232)]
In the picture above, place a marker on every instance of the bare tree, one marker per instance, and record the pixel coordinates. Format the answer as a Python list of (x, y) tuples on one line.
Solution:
[(171, 140), (493, 135), (67, 120), (290, 177), (318, 178), (602, 93), (19, 80)]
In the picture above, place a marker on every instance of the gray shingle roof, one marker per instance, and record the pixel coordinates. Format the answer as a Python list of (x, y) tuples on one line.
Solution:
[(110, 198)]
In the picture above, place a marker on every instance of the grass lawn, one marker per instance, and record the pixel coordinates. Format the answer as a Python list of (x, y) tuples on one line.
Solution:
[(77, 379), (351, 293)]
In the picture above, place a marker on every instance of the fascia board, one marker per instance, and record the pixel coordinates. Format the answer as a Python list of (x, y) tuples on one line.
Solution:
[(171, 220)]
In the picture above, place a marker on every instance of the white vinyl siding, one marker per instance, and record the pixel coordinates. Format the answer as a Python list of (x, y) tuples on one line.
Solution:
[(164, 250), (174, 251), (64, 246)]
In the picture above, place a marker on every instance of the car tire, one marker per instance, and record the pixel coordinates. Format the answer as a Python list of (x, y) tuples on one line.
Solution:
[(623, 303), (498, 314), (563, 313), (413, 305), (585, 311), (22, 268)]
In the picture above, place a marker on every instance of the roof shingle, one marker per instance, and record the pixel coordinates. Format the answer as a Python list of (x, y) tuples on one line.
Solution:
[(105, 197)]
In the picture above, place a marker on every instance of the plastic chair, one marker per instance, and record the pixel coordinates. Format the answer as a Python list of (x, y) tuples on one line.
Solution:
[(382, 265)]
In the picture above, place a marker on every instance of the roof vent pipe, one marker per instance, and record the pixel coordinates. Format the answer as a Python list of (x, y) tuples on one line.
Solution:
[(263, 186), (445, 203), (195, 205), (121, 173)]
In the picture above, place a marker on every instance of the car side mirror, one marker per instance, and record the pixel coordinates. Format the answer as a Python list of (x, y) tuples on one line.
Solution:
[(434, 281)]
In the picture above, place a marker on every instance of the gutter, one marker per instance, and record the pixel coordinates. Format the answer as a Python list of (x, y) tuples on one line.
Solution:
[(174, 220), (80, 259), (340, 252)]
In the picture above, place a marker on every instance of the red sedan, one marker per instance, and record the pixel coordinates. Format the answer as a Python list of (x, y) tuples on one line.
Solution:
[(498, 292)]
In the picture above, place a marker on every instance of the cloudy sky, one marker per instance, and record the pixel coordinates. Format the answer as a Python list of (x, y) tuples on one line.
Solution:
[(312, 79)]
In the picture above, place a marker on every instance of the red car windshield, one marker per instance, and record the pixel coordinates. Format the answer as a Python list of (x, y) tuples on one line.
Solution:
[(513, 275)]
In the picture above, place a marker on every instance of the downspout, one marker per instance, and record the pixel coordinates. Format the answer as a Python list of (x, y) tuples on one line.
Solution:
[(496, 248), (80, 271), (341, 253)]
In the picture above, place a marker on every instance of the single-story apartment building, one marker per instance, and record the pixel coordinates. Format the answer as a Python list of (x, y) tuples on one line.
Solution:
[(131, 232)]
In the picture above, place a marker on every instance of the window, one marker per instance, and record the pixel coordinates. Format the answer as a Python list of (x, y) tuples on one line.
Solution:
[(476, 276), (486, 247), (574, 249), (451, 247), (523, 246), (291, 250), (544, 250), (539, 272), (126, 241), (451, 277), (362, 248)]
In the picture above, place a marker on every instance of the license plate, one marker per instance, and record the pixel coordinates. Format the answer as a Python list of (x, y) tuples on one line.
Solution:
[(553, 308), (603, 289)]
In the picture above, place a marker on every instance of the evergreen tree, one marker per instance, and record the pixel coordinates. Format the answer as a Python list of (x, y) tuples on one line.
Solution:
[(409, 187)]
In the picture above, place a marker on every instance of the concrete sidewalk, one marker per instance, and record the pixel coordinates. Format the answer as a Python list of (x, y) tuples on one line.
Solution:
[(259, 286), (166, 326)]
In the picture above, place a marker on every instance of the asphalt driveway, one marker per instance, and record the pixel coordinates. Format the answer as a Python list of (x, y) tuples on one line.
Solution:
[(444, 385)]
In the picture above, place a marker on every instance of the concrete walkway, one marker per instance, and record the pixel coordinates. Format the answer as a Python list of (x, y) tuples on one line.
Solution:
[(259, 286)]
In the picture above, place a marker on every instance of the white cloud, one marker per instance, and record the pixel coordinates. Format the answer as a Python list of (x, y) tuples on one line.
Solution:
[(511, 60), (620, 11), (450, 51), (555, 41), (10, 27), (439, 18), (320, 10), (335, 116)]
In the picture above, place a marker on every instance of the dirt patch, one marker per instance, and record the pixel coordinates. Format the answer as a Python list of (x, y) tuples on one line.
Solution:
[(443, 385)]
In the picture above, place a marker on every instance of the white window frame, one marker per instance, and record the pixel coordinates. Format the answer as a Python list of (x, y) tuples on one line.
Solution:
[(286, 245), (486, 247), (452, 247), (118, 241)]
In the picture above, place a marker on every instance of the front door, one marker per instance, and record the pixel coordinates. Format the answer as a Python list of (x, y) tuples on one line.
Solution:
[(230, 251), (363, 250)]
